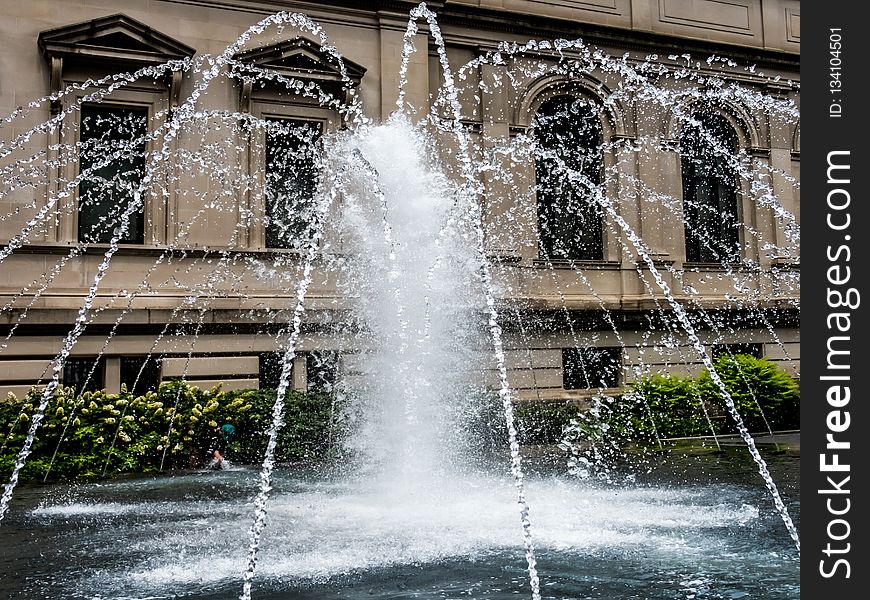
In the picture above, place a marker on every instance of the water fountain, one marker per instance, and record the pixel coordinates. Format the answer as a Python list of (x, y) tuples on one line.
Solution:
[(397, 225)]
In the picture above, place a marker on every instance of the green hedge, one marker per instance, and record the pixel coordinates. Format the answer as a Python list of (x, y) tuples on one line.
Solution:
[(657, 406), (672, 403), (120, 433), (755, 385), (673, 406), (536, 422), (668, 406)]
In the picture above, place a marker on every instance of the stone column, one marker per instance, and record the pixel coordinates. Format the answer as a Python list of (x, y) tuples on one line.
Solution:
[(756, 215), (659, 190), (506, 237), (112, 375), (392, 26), (300, 372), (785, 181)]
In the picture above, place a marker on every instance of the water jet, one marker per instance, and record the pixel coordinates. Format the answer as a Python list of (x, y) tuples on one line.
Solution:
[(442, 262)]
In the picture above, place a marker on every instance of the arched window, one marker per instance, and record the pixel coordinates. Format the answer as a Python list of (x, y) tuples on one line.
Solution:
[(710, 190), (568, 133)]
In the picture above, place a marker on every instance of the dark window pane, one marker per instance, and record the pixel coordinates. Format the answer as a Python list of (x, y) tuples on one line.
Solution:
[(568, 132), (291, 181), (83, 374), (710, 190), (322, 370), (140, 373), (753, 350), (270, 369), (592, 367), (107, 192)]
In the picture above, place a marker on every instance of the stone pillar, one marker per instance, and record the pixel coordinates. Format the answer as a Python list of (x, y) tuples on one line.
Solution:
[(627, 200), (392, 27), (506, 237), (300, 372), (112, 375), (659, 190), (785, 181), (756, 215)]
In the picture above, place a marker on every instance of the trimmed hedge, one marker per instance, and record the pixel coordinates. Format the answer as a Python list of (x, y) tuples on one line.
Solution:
[(755, 385), (536, 422), (663, 406), (671, 406), (657, 406), (97, 434)]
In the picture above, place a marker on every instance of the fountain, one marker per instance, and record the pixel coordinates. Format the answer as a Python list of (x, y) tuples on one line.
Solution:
[(428, 293)]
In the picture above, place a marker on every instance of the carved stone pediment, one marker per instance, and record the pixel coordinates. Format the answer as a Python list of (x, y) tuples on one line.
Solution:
[(113, 40), (116, 38), (300, 59)]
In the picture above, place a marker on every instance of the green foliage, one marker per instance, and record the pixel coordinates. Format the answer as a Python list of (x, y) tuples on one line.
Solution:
[(657, 406), (664, 406), (536, 422), (667, 405), (759, 388), (543, 422), (97, 434), (675, 405)]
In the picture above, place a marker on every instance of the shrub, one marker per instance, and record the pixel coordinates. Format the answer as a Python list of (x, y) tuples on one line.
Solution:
[(759, 388), (671, 402), (675, 403), (543, 422), (665, 406), (97, 434), (536, 422)]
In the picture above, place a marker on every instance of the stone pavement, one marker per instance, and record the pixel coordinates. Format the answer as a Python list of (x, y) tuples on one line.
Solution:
[(787, 440)]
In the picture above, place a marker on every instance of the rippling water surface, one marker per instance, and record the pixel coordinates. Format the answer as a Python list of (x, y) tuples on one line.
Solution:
[(696, 527)]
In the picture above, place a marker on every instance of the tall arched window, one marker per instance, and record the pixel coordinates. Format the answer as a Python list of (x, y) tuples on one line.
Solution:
[(568, 133), (710, 190)]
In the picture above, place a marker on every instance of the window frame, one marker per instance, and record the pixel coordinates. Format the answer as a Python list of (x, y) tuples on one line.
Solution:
[(616, 354), (127, 199), (693, 254), (81, 53), (266, 151), (586, 91), (578, 244), (150, 368), (254, 200), (153, 101), (97, 382)]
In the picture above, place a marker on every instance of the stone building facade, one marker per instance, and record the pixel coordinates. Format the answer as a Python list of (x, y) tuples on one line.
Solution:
[(50, 48)]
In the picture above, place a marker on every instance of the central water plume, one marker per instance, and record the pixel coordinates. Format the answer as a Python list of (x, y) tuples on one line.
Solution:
[(412, 275)]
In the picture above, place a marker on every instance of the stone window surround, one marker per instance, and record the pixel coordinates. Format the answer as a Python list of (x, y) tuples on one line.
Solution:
[(83, 51), (273, 100), (253, 201), (612, 127), (155, 234)]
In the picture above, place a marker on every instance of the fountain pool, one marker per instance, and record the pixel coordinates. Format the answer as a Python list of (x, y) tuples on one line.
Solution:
[(697, 526)]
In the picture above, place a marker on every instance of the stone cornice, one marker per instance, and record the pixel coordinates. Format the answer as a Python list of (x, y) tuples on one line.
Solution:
[(367, 13)]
